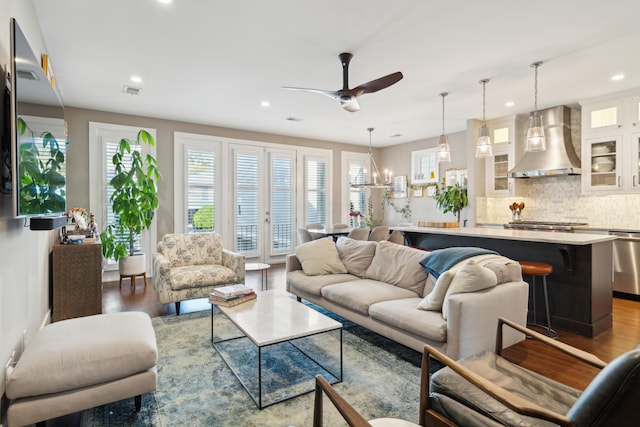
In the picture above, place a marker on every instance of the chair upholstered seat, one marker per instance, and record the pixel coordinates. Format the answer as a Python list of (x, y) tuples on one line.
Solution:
[(190, 265), (489, 390)]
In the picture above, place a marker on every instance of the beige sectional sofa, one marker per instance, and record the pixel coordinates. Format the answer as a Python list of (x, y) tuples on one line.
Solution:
[(380, 285)]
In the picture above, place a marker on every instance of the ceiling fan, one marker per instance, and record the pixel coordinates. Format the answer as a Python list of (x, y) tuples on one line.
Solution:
[(348, 97)]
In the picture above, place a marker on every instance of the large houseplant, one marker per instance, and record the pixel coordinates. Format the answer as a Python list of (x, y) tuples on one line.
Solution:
[(134, 201), (452, 198)]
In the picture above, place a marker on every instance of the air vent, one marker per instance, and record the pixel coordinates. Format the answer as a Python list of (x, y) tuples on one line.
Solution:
[(294, 119), (132, 90), (27, 75)]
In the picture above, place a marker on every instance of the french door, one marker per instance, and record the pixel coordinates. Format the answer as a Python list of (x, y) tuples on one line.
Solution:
[(263, 200)]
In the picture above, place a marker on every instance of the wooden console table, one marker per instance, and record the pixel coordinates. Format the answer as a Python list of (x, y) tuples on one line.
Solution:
[(77, 280)]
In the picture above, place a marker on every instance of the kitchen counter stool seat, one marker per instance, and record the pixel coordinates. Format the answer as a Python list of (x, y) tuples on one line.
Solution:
[(536, 269)]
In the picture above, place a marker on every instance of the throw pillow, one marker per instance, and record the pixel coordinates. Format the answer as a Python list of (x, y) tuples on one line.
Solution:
[(399, 266), (356, 255), (470, 277), (433, 301), (319, 257)]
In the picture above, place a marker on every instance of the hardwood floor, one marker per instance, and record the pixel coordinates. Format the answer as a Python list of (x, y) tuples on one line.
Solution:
[(623, 336)]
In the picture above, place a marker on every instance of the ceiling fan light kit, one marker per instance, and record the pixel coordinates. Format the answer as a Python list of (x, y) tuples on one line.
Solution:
[(536, 140), (348, 97), (483, 146), (444, 152)]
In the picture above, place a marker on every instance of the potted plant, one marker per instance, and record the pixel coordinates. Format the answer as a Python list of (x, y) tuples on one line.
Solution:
[(134, 201), (452, 198)]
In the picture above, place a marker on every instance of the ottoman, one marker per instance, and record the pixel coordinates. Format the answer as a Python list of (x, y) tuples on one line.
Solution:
[(81, 363)]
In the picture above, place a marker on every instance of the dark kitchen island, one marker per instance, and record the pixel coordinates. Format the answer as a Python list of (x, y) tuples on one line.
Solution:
[(580, 286)]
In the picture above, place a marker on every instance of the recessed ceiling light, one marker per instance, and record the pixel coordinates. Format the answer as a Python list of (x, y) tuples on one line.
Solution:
[(265, 104), (509, 104), (165, 1), (136, 79), (617, 77)]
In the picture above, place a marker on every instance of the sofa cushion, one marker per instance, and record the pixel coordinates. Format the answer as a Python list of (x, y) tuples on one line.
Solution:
[(356, 255), (82, 352), (198, 276), (320, 257), (434, 300), (470, 277), (403, 315), (192, 249), (398, 265), (358, 295), (311, 285)]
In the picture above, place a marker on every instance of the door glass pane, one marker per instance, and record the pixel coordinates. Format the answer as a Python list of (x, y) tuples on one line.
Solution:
[(111, 147), (356, 195), (201, 191), (246, 203), (316, 192), (282, 200)]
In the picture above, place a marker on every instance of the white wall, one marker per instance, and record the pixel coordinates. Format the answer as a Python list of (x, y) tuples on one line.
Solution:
[(24, 254), (398, 159)]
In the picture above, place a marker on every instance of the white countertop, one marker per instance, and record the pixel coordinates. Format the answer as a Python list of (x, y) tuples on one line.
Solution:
[(524, 235)]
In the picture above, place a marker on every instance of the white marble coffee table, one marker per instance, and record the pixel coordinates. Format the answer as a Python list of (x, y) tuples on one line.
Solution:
[(274, 317)]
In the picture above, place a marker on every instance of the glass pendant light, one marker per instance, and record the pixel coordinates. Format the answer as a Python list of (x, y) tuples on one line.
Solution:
[(444, 153), (483, 146), (535, 134)]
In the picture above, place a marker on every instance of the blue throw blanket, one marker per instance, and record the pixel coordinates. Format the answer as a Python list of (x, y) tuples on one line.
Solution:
[(441, 260)]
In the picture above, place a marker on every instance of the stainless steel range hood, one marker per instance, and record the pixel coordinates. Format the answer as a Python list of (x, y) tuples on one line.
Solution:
[(559, 158)]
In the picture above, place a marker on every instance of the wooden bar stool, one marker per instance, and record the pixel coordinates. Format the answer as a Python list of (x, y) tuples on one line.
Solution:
[(535, 269)]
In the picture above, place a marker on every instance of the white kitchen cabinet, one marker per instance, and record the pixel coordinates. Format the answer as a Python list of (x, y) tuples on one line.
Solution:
[(498, 183), (611, 144), (502, 133)]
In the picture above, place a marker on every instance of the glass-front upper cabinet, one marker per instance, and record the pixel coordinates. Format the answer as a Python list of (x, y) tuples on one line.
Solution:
[(635, 159), (498, 183), (602, 163), (603, 116)]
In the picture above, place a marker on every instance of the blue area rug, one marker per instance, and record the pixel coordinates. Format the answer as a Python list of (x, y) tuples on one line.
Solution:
[(196, 388)]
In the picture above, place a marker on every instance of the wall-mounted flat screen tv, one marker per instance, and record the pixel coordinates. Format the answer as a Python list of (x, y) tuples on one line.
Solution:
[(38, 135)]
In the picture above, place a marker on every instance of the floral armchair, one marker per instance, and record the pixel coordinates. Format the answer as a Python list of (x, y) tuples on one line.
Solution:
[(189, 266)]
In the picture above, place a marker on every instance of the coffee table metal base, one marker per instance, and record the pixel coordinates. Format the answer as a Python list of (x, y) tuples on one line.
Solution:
[(258, 400)]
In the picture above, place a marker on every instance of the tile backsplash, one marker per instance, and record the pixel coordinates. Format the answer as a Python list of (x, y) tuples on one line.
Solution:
[(559, 199)]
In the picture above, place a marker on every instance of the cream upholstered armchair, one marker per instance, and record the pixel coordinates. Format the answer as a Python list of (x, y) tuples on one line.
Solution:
[(189, 266)]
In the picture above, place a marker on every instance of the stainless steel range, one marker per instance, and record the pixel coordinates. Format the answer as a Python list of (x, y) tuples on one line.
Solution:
[(566, 227)]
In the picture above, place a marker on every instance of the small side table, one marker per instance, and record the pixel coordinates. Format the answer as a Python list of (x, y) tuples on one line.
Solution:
[(258, 266)]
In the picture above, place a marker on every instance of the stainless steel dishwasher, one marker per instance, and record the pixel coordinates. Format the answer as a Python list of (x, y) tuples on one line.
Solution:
[(626, 263)]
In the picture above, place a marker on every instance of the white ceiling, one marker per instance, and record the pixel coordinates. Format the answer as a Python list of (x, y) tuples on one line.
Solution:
[(213, 62)]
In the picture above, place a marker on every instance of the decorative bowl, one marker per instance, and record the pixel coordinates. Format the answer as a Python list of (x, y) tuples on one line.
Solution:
[(602, 164), (600, 149), (75, 239)]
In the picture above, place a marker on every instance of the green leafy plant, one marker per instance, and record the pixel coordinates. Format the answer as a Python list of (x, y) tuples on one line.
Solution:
[(404, 211), (452, 198), (204, 218), (135, 197), (40, 178)]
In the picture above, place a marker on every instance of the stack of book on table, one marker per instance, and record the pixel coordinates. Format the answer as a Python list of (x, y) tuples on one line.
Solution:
[(228, 296)]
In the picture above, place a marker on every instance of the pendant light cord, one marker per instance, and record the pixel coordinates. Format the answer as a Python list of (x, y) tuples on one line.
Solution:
[(443, 94), (484, 86), (535, 66)]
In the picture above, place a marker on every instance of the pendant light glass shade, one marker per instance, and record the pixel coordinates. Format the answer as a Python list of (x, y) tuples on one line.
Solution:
[(535, 134), (444, 153), (483, 146)]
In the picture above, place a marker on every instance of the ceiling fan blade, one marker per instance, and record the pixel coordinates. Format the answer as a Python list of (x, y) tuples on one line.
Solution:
[(377, 84), (351, 105), (330, 93)]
